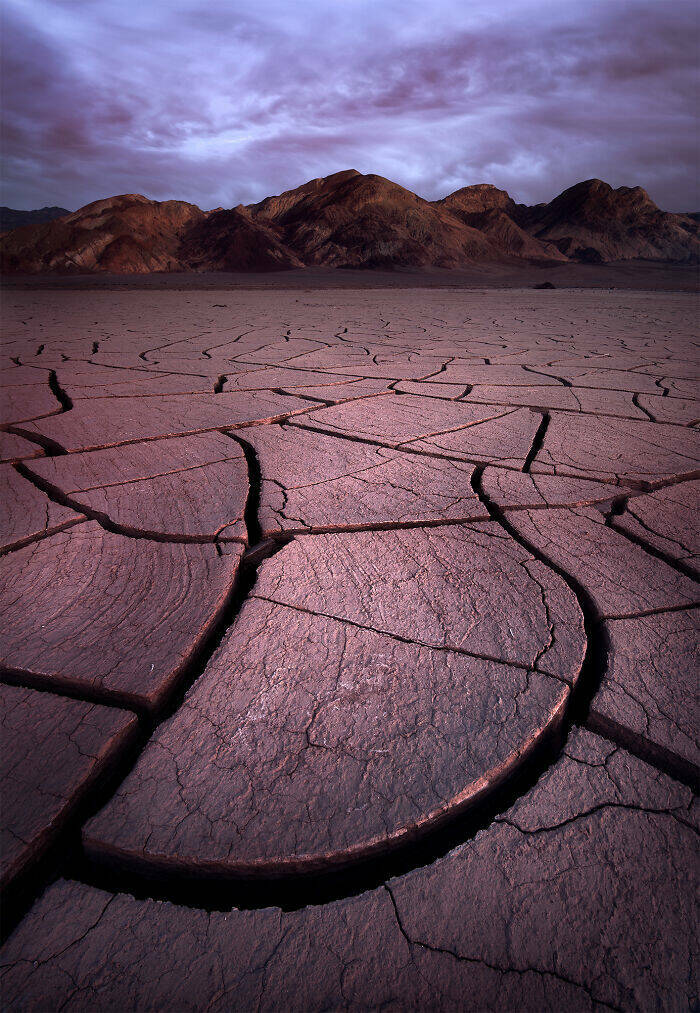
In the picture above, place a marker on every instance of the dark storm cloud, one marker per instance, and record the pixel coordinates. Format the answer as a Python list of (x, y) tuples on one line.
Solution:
[(176, 100)]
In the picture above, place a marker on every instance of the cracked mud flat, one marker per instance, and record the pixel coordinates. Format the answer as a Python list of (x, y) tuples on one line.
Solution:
[(349, 655)]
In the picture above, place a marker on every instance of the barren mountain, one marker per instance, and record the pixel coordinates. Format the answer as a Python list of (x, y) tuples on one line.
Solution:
[(476, 199), (592, 221), (124, 235), (490, 211), (351, 220)]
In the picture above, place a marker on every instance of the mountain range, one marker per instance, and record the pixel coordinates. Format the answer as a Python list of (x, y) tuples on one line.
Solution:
[(12, 219), (350, 220)]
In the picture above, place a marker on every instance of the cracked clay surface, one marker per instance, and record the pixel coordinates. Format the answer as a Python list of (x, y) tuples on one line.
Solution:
[(349, 654)]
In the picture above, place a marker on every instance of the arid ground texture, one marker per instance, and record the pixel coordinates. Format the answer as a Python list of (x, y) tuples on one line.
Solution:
[(349, 649)]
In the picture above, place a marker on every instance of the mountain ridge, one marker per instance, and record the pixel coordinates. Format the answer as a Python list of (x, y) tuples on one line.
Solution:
[(12, 218), (354, 220)]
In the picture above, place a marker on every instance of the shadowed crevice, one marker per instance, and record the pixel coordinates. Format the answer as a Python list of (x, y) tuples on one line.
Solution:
[(59, 393), (51, 447), (655, 755), (618, 508), (537, 441)]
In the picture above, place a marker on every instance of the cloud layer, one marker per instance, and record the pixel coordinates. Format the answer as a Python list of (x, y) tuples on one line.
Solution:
[(229, 102)]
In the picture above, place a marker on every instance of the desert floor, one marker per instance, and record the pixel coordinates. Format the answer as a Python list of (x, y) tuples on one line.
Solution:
[(349, 654)]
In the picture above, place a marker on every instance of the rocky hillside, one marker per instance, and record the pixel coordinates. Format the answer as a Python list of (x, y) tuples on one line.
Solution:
[(593, 222)]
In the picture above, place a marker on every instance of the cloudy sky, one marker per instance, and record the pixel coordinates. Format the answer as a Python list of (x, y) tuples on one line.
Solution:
[(229, 101)]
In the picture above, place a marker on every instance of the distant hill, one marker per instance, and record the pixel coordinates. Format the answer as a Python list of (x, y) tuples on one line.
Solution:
[(591, 221), (12, 219), (127, 234), (354, 220)]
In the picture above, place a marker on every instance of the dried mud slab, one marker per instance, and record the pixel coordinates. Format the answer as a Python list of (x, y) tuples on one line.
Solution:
[(614, 450), (681, 411), (620, 576), (517, 490), (427, 388), (503, 375), (309, 742), (668, 521), (190, 488), (255, 348), (26, 513), (111, 617), (53, 750), (12, 375), (22, 404), (536, 396), (311, 481), (357, 362), (577, 899), (608, 379), (395, 420), (194, 368), (507, 440), (16, 448), (273, 378), (614, 403), (650, 685), (588, 882), (676, 387), (465, 588), (337, 393), (90, 425), (132, 383)]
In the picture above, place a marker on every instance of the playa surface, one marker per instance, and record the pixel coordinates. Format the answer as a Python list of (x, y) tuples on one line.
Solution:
[(350, 644)]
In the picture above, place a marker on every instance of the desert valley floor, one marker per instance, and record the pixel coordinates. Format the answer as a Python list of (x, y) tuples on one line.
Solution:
[(349, 653)]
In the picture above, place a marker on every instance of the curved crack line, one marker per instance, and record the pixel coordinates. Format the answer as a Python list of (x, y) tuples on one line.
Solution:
[(537, 441), (65, 850), (51, 447), (59, 393), (213, 886), (326, 885), (596, 661)]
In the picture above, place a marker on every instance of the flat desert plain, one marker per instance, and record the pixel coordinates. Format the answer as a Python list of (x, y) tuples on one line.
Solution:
[(349, 653)]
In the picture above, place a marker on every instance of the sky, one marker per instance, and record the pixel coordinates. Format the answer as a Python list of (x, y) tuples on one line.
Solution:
[(223, 102)]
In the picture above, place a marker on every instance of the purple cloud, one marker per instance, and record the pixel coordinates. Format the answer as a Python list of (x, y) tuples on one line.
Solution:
[(230, 104)]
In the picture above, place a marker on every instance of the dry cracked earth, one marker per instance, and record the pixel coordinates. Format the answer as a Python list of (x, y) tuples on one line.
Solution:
[(349, 654)]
